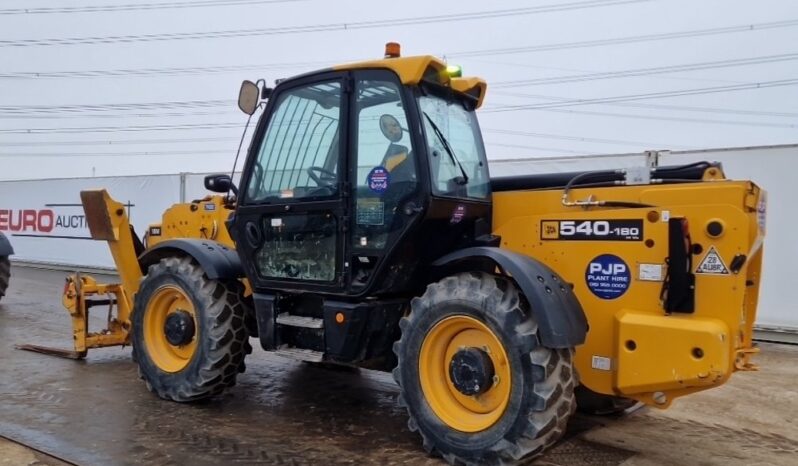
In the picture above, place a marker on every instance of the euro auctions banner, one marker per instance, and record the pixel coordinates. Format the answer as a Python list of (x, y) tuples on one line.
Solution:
[(45, 223)]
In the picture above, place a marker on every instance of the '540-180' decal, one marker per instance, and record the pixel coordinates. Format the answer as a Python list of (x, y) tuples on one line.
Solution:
[(592, 230)]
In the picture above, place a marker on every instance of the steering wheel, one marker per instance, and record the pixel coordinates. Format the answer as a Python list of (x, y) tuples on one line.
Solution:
[(325, 178)]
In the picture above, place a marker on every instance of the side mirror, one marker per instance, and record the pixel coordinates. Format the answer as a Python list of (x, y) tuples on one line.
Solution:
[(248, 97), (220, 184)]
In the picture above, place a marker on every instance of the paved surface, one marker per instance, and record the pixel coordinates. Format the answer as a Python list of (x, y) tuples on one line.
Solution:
[(284, 412), (15, 454)]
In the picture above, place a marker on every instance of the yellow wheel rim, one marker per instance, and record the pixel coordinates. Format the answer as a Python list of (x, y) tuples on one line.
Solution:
[(462, 412), (165, 301)]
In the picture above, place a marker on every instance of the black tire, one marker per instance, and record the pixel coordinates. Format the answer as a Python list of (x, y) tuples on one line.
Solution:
[(5, 275), (597, 404), (222, 339), (542, 394)]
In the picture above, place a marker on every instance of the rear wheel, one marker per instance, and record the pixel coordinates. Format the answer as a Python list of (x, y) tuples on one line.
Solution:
[(476, 382), (5, 275), (189, 336)]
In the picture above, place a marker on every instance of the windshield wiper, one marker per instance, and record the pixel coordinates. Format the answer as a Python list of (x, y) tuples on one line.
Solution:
[(449, 150)]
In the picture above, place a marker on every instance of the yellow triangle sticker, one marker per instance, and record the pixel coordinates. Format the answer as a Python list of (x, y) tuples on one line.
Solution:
[(712, 264)]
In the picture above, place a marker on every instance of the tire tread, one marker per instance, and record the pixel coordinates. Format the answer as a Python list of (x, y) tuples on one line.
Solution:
[(226, 338), (552, 392)]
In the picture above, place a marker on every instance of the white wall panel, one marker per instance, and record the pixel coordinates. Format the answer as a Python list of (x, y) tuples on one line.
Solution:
[(45, 223), (564, 164), (774, 169)]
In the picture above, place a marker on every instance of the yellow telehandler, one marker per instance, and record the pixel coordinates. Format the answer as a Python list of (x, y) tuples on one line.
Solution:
[(366, 230)]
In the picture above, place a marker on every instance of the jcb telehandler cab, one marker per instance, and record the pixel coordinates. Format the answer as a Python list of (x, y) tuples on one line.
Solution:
[(367, 187), (366, 230)]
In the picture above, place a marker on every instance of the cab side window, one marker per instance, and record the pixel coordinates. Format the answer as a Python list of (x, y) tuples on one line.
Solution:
[(385, 166), (462, 173), (298, 160), (298, 156)]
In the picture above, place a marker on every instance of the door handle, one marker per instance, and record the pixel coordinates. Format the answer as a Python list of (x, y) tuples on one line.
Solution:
[(252, 232), (412, 208)]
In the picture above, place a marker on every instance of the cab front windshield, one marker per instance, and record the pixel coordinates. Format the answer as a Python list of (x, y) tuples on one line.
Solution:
[(461, 171)]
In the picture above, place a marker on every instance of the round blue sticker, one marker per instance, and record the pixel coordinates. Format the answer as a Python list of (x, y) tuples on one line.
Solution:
[(607, 276), (378, 179)]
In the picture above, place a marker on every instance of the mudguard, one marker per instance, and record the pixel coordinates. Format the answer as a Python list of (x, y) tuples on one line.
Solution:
[(5, 246), (561, 320), (217, 260)]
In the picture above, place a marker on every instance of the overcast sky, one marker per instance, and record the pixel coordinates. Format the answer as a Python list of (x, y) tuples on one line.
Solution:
[(734, 70)]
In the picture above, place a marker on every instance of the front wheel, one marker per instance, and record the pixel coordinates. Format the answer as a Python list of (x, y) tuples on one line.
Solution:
[(189, 336), (476, 382)]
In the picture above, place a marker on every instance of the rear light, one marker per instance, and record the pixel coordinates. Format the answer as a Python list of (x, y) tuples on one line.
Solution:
[(678, 290)]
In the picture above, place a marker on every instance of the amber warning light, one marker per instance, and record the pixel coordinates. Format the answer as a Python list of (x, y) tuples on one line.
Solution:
[(392, 50)]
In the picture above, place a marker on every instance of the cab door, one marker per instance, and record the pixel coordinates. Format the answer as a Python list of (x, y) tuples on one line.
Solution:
[(290, 222), (386, 183)]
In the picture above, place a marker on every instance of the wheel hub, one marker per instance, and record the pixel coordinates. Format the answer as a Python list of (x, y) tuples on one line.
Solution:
[(471, 371), (465, 373), (179, 328)]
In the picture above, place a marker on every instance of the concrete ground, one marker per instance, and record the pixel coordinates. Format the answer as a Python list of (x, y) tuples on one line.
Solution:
[(15, 454), (285, 412)]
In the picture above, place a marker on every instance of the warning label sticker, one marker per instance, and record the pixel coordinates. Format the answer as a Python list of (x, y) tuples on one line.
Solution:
[(370, 212), (601, 363), (712, 263)]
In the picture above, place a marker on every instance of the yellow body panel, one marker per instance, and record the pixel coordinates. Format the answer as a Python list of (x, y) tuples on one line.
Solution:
[(663, 360), (476, 87), (412, 70), (664, 363), (108, 221), (202, 219), (647, 343)]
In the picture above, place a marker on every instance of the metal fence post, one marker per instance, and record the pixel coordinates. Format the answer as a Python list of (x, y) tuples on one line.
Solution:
[(652, 157), (183, 187)]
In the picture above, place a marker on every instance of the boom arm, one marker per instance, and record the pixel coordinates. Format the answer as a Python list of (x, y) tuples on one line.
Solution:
[(108, 221)]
